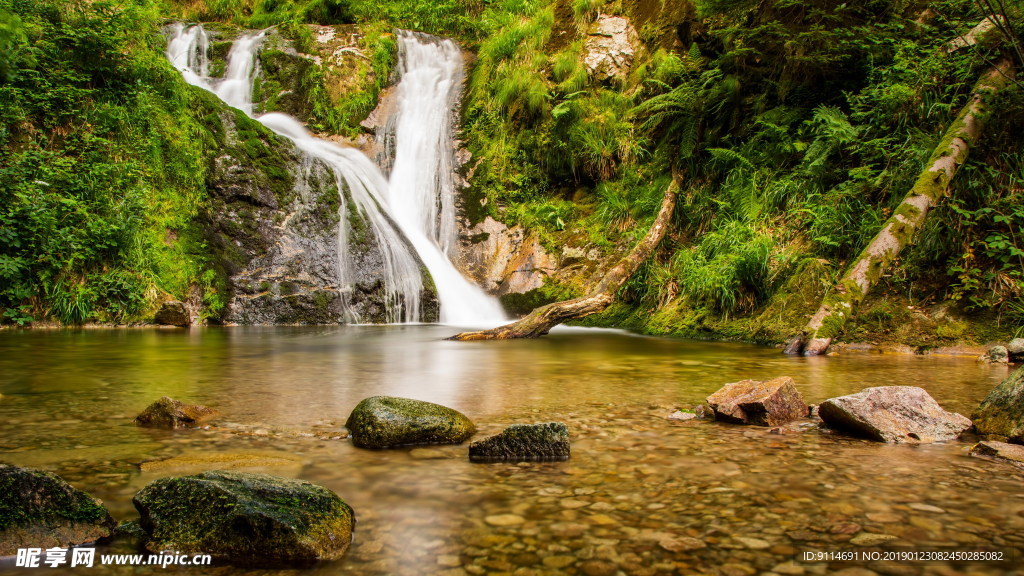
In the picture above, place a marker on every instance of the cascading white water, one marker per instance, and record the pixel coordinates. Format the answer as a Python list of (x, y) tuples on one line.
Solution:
[(421, 191), (423, 210)]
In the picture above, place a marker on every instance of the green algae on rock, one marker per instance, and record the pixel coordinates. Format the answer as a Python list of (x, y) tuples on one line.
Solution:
[(245, 518), (388, 421), (40, 510), (524, 443), (170, 413), (1002, 412)]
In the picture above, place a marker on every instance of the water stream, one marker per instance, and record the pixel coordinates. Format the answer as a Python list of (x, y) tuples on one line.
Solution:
[(637, 488), (416, 206)]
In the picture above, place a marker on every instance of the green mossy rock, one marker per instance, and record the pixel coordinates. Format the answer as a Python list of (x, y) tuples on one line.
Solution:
[(387, 421), (524, 443), (245, 518), (1001, 413), (170, 413), (39, 510)]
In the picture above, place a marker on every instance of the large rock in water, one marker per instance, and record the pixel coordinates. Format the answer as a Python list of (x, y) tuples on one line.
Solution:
[(768, 403), (387, 421), (245, 518), (170, 413), (894, 414), (39, 510), (1002, 411), (524, 443)]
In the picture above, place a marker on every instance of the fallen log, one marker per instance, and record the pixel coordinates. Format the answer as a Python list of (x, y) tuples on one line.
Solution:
[(908, 218), (541, 320)]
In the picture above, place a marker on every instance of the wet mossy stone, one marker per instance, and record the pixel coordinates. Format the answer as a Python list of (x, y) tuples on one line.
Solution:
[(170, 413), (1001, 413), (245, 518), (524, 443), (40, 510), (387, 421)]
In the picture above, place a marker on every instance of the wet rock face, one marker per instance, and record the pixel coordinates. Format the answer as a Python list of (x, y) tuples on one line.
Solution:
[(896, 414), (170, 413), (1001, 413), (387, 422), (611, 45), (245, 518), (524, 443), (173, 313), (272, 224), (768, 403), (39, 510), (504, 260)]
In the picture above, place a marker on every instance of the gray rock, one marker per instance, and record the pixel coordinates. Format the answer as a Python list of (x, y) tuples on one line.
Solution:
[(245, 518), (763, 403), (1011, 452), (997, 355), (170, 413), (387, 422), (173, 313), (524, 443), (1001, 413), (1016, 348), (896, 414), (40, 510)]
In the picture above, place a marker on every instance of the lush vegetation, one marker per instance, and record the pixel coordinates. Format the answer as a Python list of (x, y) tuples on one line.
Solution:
[(796, 127)]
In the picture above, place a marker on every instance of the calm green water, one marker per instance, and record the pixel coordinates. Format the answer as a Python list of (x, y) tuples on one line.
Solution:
[(639, 488)]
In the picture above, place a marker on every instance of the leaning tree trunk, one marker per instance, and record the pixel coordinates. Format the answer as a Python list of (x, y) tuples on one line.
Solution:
[(899, 230), (543, 319)]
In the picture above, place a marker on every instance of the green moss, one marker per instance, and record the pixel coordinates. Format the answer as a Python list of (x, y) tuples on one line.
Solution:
[(30, 496)]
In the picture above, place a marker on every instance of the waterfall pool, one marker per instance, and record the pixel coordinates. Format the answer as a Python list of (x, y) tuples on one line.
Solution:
[(641, 494)]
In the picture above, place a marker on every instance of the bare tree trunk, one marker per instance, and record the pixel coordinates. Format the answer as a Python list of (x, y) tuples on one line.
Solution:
[(543, 319), (899, 230)]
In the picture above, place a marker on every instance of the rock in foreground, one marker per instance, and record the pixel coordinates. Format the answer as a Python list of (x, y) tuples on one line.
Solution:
[(170, 413), (524, 443), (768, 403), (387, 421), (895, 414), (1001, 450), (245, 518), (39, 510), (1002, 412)]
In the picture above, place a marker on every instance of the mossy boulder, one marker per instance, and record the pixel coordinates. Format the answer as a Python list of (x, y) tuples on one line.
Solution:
[(170, 413), (524, 443), (387, 421), (1001, 413), (40, 510), (245, 518)]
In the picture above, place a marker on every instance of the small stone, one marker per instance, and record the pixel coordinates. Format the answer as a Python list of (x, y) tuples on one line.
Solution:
[(504, 520), (753, 543), (170, 413), (926, 508), (681, 544), (573, 504), (884, 517), (449, 560), (997, 355), (869, 539), (602, 520), (788, 569), (682, 416), (598, 568), (559, 561), (1002, 450)]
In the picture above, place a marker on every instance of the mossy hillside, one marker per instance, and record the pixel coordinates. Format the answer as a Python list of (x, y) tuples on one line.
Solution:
[(245, 518)]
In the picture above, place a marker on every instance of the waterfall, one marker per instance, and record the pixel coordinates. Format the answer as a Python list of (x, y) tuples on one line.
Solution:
[(423, 210)]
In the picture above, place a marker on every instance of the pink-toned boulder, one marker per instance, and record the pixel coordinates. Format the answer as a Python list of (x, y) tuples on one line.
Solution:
[(896, 414), (762, 403)]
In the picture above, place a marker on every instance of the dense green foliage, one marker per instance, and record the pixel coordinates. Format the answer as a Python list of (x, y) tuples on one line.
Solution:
[(796, 127)]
